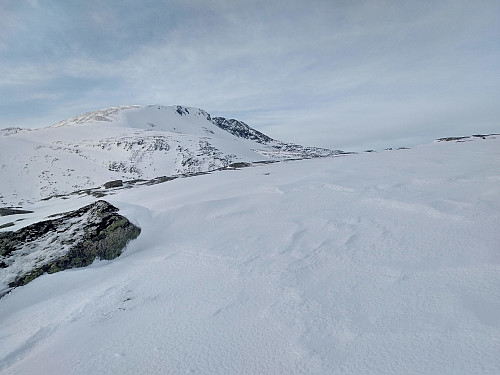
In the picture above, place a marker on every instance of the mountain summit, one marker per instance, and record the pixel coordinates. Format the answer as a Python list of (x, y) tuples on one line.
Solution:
[(130, 143)]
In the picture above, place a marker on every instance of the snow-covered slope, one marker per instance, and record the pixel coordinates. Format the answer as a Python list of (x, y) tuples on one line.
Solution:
[(376, 263), (131, 142)]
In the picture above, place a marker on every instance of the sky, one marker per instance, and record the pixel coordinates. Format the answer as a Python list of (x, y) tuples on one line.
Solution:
[(348, 75)]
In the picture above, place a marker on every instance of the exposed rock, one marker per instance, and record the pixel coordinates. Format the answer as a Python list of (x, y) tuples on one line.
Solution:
[(113, 184), (13, 211), (241, 130), (182, 110), (448, 139), (74, 239), (239, 165), (290, 151), (276, 149), (467, 138), (13, 130), (161, 179)]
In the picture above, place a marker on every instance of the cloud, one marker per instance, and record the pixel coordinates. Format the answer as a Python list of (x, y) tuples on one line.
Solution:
[(330, 73)]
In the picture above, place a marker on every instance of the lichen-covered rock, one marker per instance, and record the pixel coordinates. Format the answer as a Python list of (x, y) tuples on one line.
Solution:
[(74, 239)]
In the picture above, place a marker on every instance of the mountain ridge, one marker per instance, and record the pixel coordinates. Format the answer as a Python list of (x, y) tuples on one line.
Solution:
[(128, 143)]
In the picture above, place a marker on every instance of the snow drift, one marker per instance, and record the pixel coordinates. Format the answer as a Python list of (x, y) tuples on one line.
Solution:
[(377, 263)]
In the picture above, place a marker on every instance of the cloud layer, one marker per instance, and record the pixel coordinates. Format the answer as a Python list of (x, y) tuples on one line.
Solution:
[(339, 74)]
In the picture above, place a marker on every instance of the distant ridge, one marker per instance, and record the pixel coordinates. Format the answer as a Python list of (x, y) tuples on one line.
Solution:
[(129, 143), (467, 137)]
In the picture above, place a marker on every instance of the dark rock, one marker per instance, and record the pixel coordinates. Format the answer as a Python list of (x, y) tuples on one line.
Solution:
[(241, 130), (239, 165), (74, 239), (13, 211), (113, 184), (161, 179), (266, 162), (448, 139), (182, 110), (465, 138), (6, 225)]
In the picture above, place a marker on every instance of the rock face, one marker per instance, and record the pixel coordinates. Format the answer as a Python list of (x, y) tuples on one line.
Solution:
[(71, 240), (241, 130), (466, 138), (13, 211), (113, 184)]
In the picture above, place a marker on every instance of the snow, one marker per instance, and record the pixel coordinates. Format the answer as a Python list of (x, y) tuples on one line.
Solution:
[(379, 263), (128, 143)]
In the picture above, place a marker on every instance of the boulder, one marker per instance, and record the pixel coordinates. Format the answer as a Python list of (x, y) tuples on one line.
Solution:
[(113, 184), (74, 239)]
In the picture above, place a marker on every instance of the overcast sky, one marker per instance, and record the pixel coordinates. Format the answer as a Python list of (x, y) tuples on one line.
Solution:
[(338, 74)]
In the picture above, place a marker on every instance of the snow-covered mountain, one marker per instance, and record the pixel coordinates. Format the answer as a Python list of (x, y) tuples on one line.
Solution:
[(375, 263), (129, 143)]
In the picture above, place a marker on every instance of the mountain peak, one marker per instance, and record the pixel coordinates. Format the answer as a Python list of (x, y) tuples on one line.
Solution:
[(100, 115), (133, 142)]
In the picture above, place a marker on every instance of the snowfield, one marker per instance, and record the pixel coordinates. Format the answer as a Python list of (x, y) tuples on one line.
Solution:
[(379, 263), (129, 143)]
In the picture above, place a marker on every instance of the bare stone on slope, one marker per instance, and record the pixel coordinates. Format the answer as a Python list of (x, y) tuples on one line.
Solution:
[(467, 137), (113, 184), (13, 211), (72, 240), (241, 130)]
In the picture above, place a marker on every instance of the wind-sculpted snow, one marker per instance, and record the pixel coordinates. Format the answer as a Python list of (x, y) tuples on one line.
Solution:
[(13, 130), (129, 143), (107, 114), (376, 263)]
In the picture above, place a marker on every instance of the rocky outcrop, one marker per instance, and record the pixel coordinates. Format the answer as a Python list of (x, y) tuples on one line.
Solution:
[(74, 239), (276, 149), (113, 184), (467, 138), (13, 211), (241, 130)]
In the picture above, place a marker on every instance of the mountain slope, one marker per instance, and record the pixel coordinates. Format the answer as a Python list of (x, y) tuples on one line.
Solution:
[(131, 142), (377, 263)]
